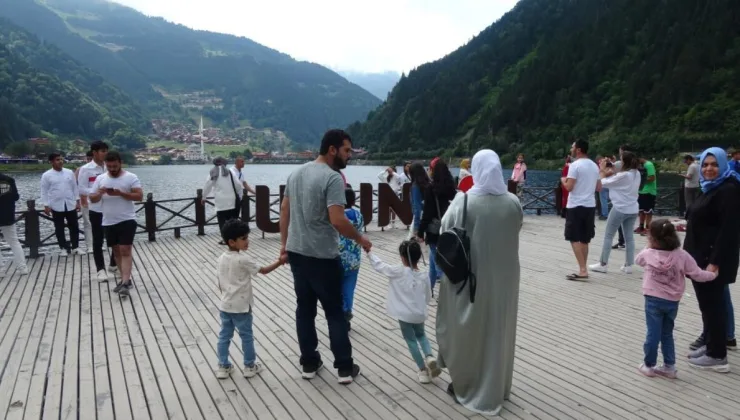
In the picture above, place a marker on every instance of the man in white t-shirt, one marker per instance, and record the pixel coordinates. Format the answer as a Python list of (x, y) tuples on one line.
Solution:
[(239, 174), (582, 182), (118, 190), (691, 187)]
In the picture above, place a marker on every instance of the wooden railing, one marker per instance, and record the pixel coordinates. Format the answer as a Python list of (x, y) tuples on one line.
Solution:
[(263, 209)]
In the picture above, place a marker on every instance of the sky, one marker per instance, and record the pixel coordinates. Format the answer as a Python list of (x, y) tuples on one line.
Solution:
[(367, 36)]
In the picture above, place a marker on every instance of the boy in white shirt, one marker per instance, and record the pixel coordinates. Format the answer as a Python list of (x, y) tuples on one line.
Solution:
[(235, 271)]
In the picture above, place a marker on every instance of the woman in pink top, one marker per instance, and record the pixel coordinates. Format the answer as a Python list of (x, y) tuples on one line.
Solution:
[(666, 267), (519, 174)]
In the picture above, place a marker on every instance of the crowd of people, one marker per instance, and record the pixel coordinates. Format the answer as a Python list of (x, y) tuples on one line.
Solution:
[(321, 234)]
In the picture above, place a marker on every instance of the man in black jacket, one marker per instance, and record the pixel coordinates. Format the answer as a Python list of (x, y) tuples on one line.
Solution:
[(8, 197)]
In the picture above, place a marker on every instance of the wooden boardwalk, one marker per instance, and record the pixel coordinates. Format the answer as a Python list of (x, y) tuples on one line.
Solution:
[(69, 348)]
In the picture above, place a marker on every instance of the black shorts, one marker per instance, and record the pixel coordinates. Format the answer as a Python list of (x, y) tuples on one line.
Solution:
[(646, 203), (121, 233), (580, 224)]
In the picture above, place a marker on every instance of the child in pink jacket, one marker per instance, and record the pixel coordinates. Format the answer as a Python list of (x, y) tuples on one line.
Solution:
[(666, 266)]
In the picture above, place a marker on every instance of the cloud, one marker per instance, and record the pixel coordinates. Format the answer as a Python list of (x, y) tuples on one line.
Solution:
[(363, 36)]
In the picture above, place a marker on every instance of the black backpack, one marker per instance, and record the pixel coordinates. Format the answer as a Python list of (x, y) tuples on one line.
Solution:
[(453, 255)]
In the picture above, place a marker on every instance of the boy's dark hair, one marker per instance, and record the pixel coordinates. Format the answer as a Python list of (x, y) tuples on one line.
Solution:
[(113, 156), (350, 197), (334, 137), (411, 251), (583, 145), (663, 235), (89, 153), (53, 156), (234, 229), (99, 145)]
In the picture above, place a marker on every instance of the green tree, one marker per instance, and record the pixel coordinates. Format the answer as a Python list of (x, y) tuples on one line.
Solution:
[(165, 160), (19, 149)]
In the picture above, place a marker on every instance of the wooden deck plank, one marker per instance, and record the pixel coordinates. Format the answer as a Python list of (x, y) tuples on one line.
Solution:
[(71, 348)]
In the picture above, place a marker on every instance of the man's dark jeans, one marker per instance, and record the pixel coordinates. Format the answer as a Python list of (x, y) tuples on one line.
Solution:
[(320, 280)]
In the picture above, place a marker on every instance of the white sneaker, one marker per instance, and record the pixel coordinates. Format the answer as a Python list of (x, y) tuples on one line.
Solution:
[(23, 271), (102, 276), (64, 253), (224, 372), (424, 376), (112, 268), (598, 268), (78, 251), (251, 371), (432, 366), (626, 269)]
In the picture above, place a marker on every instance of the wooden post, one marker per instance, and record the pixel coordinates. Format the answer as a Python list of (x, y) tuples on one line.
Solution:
[(200, 213), (245, 207), (681, 200), (177, 233), (150, 217), (511, 185), (33, 229)]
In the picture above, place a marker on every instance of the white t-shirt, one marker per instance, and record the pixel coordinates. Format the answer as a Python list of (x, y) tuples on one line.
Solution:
[(117, 209), (623, 191), (235, 272), (408, 291), (586, 174)]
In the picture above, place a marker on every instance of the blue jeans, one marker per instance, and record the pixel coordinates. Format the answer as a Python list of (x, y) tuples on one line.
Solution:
[(613, 223), (604, 198), (320, 280), (415, 337), (730, 314), (660, 314), (434, 274), (349, 282), (243, 324)]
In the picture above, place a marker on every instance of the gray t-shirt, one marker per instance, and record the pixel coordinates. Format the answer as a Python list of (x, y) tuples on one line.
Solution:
[(693, 176), (312, 189)]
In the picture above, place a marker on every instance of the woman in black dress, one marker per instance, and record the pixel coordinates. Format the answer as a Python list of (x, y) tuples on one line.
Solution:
[(713, 239)]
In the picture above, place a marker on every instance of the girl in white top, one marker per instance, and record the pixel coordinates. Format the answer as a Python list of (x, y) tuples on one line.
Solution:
[(408, 296), (623, 189)]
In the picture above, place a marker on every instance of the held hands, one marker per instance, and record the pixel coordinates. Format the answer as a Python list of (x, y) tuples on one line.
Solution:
[(365, 243), (47, 210), (283, 255), (713, 269)]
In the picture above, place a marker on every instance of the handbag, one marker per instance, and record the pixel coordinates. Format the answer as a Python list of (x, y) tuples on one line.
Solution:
[(237, 200), (435, 225)]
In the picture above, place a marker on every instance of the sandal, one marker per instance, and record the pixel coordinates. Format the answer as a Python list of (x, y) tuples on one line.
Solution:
[(576, 276)]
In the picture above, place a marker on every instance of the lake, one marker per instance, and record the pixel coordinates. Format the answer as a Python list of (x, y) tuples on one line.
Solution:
[(180, 181)]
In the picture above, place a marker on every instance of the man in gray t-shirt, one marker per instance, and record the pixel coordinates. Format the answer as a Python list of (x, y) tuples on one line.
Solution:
[(311, 220), (691, 187)]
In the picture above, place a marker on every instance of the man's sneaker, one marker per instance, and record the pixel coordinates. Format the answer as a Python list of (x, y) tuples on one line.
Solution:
[(699, 342), (78, 251), (598, 268), (309, 372), (701, 351), (433, 367), (117, 288), (102, 276), (224, 372), (669, 372), (647, 371), (731, 343), (710, 363), (618, 246), (346, 376), (64, 253), (253, 370), (424, 376), (124, 291), (626, 269)]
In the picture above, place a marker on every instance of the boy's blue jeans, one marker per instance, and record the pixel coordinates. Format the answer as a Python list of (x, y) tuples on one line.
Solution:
[(349, 282), (243, 324), (660, 314)]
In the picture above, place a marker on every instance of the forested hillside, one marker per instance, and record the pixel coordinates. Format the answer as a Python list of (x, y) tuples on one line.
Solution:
[(42, 89), (150, 59), (662, 74)]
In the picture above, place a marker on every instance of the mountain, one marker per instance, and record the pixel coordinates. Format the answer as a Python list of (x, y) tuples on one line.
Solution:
[(661, 74), (41, 88), (379, 84), (232, 80)]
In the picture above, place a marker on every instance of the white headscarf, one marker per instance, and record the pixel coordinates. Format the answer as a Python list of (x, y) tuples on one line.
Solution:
[(488, 176)]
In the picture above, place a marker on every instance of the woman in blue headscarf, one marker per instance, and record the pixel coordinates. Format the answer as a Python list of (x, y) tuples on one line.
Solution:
[(713, 239)]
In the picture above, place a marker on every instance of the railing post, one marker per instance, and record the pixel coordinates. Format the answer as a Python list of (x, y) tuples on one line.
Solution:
[(200, 213), (511, 186), (245, 207), (33, 229), (150, 217), (558, 200)]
